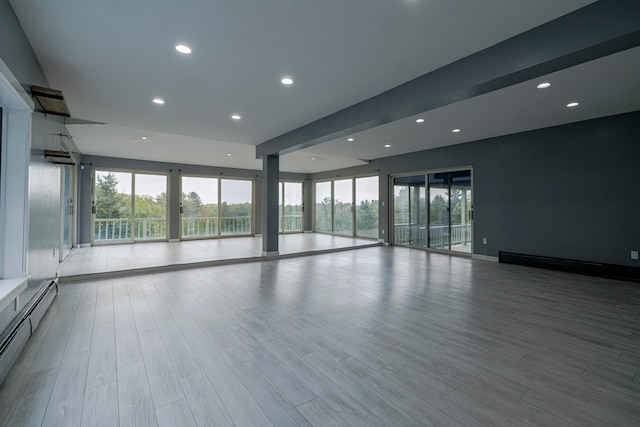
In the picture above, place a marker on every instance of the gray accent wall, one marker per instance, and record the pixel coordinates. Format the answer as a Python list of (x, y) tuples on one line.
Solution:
[(569, 191), (44, 177), (174, 170)]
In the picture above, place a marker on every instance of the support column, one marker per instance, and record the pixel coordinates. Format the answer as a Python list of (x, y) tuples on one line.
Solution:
[(270, 181)]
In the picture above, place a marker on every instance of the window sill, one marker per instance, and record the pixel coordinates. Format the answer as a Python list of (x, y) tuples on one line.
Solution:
[(10, 289)]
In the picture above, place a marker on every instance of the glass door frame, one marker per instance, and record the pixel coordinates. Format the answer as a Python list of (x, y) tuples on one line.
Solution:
[(67, 211), (133, 173), (426, 176)]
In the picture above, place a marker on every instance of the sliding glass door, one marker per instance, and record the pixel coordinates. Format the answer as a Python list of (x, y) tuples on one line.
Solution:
[(113, 207), (236, 206), (409, 217), (434, 210), (119, 217), (67, 211), (213, 207), (199, 207), (324, 202), (347, 207), (343, 207), (366, 203), (290, 209), (150, 207)]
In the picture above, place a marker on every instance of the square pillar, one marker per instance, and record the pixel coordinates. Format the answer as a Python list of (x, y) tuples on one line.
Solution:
[(270, 202)]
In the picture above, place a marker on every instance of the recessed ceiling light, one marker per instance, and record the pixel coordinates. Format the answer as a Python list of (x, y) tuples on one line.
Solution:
[(544, 85), (229, 154), (287, 81), (182, 48), (350, 139), (145, 138), (387, 146), (420, 121), (455, 130), (158, 101), (573, 104), (313, 158), (236, 117)]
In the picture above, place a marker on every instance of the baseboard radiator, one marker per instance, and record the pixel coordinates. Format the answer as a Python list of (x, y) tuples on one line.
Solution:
[(13, 340), (611, 271)]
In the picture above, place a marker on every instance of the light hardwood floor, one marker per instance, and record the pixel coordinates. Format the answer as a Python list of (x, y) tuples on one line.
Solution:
[(370, 337)]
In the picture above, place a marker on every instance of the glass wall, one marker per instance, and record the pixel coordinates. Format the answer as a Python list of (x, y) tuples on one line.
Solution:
[(341, 210), (199, 207), (290, 207)]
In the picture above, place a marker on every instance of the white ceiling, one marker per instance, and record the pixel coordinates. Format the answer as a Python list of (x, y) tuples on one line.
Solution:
[(111, 58)]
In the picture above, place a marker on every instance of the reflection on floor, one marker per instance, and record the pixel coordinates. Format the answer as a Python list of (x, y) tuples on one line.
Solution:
[(117, 260), (382, 336)]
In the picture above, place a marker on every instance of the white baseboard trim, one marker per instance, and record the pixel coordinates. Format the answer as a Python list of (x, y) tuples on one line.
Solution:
[(84, 245), (380, 240), (270, 254), (386, 243), (308, 231), (174, 240), (257, 235), (486, 258)]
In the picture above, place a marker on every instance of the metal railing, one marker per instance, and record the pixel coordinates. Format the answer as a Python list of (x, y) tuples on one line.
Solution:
[(414, 235)]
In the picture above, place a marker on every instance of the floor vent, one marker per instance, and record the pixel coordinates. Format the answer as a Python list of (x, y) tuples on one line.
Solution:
[(18, 333), (611, 271)]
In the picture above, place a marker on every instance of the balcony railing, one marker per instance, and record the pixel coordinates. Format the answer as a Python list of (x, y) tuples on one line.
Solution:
[(106, 229), (208, 226), (120, 229), (291, 222), (414, 235), (199, 226)]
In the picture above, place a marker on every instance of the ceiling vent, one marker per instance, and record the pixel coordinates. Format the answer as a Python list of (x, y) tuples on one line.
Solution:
[(51, 101), (59, 157)]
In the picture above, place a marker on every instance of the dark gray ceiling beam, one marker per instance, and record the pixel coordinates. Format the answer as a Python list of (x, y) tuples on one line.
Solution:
[(597, 30)]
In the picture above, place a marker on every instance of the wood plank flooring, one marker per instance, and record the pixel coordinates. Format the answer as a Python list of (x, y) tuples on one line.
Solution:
[(380, 336)]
